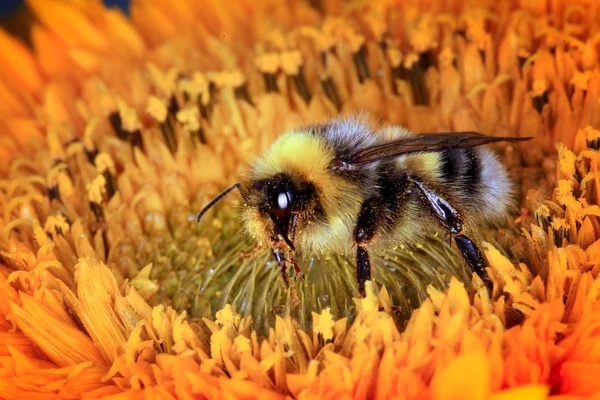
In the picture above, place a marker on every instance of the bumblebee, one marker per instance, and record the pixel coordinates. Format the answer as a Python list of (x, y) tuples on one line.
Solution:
[(344, 186)]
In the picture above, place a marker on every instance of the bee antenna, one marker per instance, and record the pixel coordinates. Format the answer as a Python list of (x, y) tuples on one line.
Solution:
[(214, 201)]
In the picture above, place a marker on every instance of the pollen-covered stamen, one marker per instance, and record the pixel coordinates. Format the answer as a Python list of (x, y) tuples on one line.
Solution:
[(581, 80), (168, 126), (302, 85), (360, 63), (57, 225), (53, 193), (71, 142), (426, 60), (125, 123), (96, 191), (394, 58), (550, 217), (105, 166), (200, 91), (592, 138), (522, 56), (159, 111), (291, 63), (270, 83), (241, 92), (89, 147), (268, 64), (416, 78), (117, 124), (331, 92), (543, 217), (189, 118), (540, 94), (136, 139), (58, 179), (90, 152), (560, 231), (207, 106)]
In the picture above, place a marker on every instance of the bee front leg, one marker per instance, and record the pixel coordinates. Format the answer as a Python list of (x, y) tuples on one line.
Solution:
[(282, 268), (298, 274), (366, 227), (451, 220)]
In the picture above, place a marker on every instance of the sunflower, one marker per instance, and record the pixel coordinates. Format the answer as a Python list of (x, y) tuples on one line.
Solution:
[(117, 129)]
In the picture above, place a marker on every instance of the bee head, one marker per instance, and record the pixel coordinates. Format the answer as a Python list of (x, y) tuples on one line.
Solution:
[(279, 200)]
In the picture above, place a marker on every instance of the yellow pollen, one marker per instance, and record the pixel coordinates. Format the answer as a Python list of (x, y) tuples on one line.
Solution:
[(128, 115), (591, 133), (581, 79), (268, 63), (96, 189), (89, 131), (446, 57), (197, 86), (291, 61), (540, 86), (242, 343), (355, 40), (376, 25), (104, 163), (558, 223), (566, 160), (395, 57), (322, 41), (323, 324), (54, 142), (65, 184), (157, 109), (164, 82), (56, 221), (227, 316), (52, 177), (226, 78), (422, 39), (523, 53), (410, 60), (189, 117)]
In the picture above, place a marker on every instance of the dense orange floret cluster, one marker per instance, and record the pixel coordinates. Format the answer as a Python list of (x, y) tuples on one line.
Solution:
[(117, 128)]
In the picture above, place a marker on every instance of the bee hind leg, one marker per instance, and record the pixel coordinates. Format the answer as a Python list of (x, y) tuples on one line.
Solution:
[(363, 234), (451, 220)]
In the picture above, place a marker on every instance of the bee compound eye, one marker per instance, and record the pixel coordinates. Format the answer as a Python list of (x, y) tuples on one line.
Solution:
[(282, 200)]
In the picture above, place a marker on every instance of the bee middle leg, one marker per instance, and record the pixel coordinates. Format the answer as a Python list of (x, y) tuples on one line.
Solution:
[(364, 232), (451, 220)]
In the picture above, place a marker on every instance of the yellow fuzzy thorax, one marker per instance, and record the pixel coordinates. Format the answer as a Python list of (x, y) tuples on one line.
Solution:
[(298, 152)]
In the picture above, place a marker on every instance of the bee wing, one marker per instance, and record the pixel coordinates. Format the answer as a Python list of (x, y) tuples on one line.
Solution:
[(425, 143)]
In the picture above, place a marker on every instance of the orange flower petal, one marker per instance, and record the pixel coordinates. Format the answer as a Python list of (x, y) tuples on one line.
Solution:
[(18, 64), (69, 24), (465, 377)]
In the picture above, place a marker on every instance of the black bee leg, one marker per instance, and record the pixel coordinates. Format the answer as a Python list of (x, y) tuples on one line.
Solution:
[(364, 232), (474, 258), (282, 268), (363, 269), (451, 220)]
